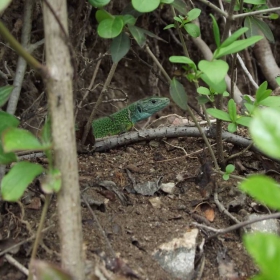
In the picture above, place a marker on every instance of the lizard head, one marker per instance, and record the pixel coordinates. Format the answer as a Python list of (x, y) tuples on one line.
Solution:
[(145, 108)]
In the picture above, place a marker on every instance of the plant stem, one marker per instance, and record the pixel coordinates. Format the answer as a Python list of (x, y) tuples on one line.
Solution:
[(99, 100), (38, 234)]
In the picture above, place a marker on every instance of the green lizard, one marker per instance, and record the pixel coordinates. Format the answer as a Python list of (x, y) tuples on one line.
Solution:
[(126, 118)]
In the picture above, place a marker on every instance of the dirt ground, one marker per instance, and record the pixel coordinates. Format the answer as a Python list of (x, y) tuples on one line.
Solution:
[(134, 224)]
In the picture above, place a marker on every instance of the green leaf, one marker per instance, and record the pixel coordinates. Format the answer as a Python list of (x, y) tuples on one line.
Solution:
[(262, 188), (277, 79), (101, 15), (232, 127), (253, 29), (119, 47), (193, 14), (217, 87), (180, 6), (4, 4), (232, 110), (237, 46), (204, 99), (216, 31), (262, 88), (99, 3), (255, 2), (245, 121), (151, 34), (219, 114), (234, 37), (178, 94), (110, 28), (17, 180), (192, 29), (5, 93), (265, 131), (265, 250), (265, 29), (46, 134), (138, 35), (16, 139), (172, 25), (6, 158), (182, 59), (52, 181), (215, 70), (129, 10), (203, 90), (166, 1), (273, 16), (129, 19), (7, 120), (145, 6), (225, 177), (271, 101), (230, 168)]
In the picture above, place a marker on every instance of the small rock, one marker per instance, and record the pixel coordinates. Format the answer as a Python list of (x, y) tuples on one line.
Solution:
[(177, 256), (154, 144), (168, 187), (266, 226), (156, 202)]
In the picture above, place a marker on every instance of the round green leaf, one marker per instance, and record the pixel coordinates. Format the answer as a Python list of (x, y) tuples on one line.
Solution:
[(215, 70), (265, 249), (145, 6), (99, 3), (17, 180), (110, 28), (203, 90), (16, 139), (265, 131), (262, 188), (230, 168), (101, 15)]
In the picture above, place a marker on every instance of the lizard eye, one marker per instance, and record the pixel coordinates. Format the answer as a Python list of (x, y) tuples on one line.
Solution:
[(139, 109), (153, 101)]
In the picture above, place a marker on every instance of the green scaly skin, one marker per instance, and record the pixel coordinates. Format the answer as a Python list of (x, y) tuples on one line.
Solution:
[(126, 118)]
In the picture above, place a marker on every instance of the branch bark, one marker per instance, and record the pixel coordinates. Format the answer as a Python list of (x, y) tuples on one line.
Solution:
[(60, 98)]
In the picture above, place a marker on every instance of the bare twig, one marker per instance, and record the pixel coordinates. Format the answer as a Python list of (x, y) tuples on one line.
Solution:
[(15, 263), (236, 226), (99, 100)]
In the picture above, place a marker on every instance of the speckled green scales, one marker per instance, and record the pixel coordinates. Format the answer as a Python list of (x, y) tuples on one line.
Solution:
[(125, 119), (116, 123)]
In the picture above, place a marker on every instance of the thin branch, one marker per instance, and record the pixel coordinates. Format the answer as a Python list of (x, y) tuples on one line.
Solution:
[(214, 7), (265, 11)]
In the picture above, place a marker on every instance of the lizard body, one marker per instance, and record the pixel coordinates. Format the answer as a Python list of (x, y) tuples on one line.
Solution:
[(126, 118)]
